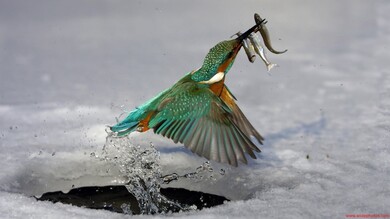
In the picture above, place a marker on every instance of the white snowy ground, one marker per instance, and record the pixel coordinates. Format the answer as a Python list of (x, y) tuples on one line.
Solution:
[(66, 68)]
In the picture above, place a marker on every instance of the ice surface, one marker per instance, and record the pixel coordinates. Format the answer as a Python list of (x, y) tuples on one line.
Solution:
[(69, 68)]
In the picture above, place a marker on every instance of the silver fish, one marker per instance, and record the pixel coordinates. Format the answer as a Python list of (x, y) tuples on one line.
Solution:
[(255, 41), (264, 33), (249, 50), (248, 47)]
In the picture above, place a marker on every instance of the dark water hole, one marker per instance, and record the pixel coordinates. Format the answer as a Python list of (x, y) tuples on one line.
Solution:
[(118, 199)]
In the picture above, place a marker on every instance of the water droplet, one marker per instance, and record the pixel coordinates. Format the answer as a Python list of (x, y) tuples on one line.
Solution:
[(199, 169), (169, 178), (126, 208)]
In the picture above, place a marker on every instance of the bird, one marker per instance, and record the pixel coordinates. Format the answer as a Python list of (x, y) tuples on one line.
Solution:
[(200, 111)]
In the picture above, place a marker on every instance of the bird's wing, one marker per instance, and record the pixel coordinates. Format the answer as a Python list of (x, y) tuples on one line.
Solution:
[(238, 116), (195, 116)]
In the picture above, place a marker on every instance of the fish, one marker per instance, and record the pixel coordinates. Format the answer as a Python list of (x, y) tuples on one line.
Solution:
[(255, 41), (265, 34), (248, 47), (249, 50)]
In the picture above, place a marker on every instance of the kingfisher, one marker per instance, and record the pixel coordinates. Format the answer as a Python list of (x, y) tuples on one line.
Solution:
[(200, 111)]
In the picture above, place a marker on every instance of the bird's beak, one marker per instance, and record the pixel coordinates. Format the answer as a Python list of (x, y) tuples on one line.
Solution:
[(253, 29)]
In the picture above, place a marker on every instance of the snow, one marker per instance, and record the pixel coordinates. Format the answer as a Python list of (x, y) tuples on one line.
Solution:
[(69, 68)]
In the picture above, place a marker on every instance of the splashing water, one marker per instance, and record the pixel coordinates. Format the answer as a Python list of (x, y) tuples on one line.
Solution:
[(140, 166), (202, 173)]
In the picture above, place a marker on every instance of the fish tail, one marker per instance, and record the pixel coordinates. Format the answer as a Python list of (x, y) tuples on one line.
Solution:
[(271, 66)]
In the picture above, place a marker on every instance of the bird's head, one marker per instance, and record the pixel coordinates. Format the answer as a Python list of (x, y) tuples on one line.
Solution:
[(221, 57)]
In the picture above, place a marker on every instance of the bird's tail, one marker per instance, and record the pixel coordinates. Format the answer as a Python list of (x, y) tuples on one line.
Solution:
[(128, 125)]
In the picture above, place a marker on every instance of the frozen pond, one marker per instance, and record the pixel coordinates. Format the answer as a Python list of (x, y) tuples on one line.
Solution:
[(69, 68)]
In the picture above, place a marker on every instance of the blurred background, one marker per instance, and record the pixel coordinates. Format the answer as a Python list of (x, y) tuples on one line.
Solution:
[(103, 52)]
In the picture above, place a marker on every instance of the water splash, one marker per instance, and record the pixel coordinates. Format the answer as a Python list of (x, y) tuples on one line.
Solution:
[(141, 168), (204, 172)]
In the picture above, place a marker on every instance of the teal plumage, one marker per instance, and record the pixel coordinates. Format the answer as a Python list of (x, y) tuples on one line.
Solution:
[(200, 112), (216, 56)]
